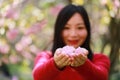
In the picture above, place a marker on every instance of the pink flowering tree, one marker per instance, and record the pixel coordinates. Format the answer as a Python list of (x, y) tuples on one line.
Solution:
[(24, 32)]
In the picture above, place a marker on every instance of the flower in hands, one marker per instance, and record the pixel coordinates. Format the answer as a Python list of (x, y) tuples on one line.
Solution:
[(69, 56)]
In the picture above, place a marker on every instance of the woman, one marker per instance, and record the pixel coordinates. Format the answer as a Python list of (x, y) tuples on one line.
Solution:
[(71, 56)]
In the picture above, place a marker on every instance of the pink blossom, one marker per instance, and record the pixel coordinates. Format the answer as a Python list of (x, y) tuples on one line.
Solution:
[(4, 49), (2, 22), (68, 50), (24, 42), (19, 47), (12, 13), (15, 78), (34, 49), (56, 9), (12, 34), (36, 27), (27, 55), (116, 3), (13, 59), (78, 50)]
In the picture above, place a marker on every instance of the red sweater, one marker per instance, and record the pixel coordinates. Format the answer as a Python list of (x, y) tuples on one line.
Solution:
[(45, 69)]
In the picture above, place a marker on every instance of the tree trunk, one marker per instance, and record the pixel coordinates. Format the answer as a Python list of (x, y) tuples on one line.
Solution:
[(114, 31)]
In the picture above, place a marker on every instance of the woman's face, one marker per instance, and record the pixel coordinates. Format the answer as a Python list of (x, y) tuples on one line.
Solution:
[(74, 32)]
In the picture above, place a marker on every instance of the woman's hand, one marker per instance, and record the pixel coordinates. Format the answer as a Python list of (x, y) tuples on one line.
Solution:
[(74, 58), (79, 57), (61, 59)]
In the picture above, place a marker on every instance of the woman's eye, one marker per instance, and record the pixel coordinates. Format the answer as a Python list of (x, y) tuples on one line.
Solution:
[(66, 27), (81, 27)]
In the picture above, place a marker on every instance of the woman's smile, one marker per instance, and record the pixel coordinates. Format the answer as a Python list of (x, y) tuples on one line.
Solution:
[(73, 42)]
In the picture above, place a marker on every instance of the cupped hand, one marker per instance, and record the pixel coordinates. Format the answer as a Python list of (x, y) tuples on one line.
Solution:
[(79, 57), (61, 59)]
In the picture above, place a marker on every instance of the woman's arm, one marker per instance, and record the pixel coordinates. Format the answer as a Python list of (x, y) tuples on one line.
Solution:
[(44, 68), (98, 69)]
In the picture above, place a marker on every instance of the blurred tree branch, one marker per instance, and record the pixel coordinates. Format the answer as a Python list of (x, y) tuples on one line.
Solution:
[(112, 37)]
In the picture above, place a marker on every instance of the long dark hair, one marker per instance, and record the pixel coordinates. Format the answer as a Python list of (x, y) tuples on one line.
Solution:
[(65, 14)]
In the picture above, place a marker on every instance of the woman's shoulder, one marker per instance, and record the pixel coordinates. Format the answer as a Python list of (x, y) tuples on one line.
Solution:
[(100, 56), (101, 59)]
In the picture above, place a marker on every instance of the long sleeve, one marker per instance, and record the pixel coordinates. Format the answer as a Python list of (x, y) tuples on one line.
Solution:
[(44, 68), (97, 69)]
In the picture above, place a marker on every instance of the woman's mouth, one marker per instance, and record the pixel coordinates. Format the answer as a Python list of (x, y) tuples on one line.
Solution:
[(73, 42)]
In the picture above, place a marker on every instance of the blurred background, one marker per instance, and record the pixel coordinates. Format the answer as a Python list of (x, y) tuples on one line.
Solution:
[(26, 28)]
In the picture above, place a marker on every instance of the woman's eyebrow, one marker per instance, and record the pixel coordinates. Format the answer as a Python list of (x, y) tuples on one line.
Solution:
[(80, 24)]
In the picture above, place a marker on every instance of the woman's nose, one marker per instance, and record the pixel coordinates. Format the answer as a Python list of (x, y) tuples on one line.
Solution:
[(73, 33)]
